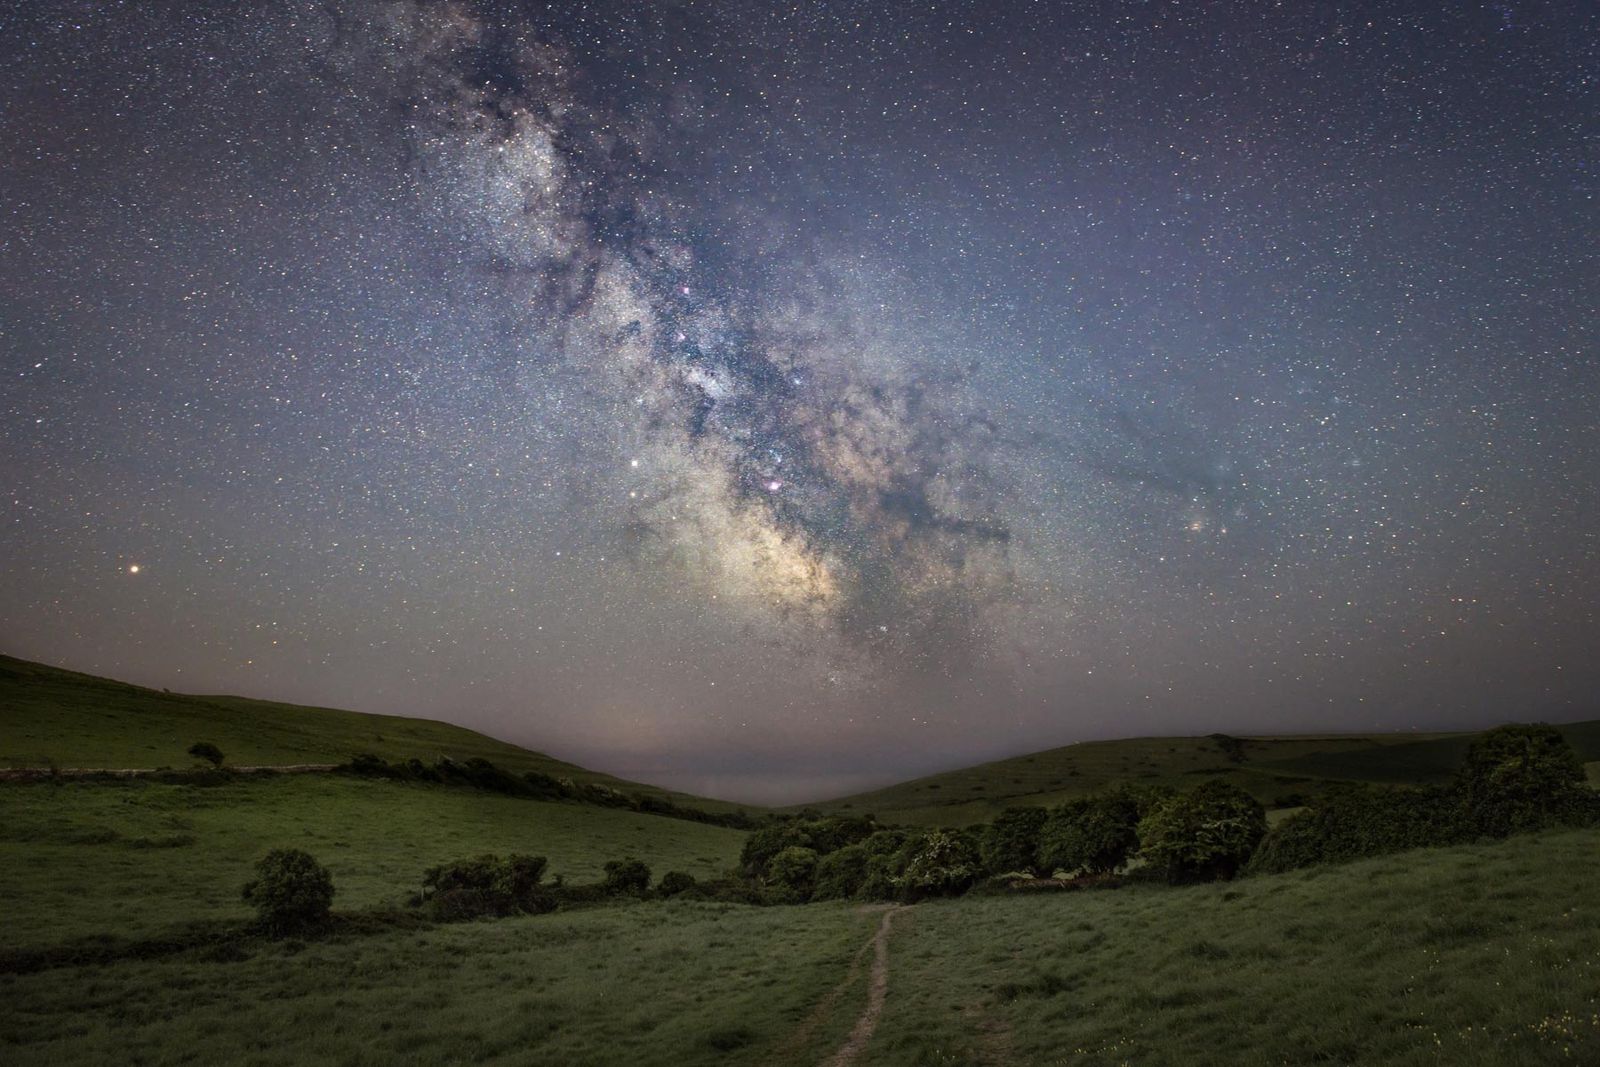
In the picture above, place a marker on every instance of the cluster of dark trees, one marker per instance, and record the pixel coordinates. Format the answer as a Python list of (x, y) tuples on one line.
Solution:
[(479, 773), (1514, 779), (1204, 833)]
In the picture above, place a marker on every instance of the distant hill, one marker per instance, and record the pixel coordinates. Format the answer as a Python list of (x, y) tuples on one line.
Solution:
[(1279, 771), (60, 717)]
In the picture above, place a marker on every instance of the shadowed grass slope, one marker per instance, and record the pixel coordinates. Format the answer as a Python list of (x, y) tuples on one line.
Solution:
[(1276, 770)]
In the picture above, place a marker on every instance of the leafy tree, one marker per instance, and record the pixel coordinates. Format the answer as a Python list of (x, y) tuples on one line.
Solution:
[(1206, 833), (794, 870), (1095, 834), (625, 876), (1521, 778), (763, 844), (937, 863), (292, 892), (835, 832), (1011, 842), (886, 852), (840, 873), (205, 750)]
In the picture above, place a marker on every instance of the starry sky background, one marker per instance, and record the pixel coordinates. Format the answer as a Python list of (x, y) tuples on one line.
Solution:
[(772, 400)]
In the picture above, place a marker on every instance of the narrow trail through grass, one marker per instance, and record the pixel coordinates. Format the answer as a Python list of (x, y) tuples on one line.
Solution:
[(877, 993)]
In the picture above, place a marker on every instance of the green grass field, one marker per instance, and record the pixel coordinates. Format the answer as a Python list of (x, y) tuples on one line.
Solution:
[(1479, 956), (1482, 955), (667, 984), (80, 858)]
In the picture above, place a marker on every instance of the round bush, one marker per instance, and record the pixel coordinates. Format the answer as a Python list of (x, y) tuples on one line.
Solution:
[(625, 876), (675, 882), (292, 892)]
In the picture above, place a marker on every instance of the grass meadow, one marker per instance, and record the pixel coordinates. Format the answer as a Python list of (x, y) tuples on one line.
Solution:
[(81, 857), (1476, 956), (1471, 956), (659, 983)]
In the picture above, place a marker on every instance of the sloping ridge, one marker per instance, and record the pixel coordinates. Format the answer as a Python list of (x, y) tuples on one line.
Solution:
[(52, 716)]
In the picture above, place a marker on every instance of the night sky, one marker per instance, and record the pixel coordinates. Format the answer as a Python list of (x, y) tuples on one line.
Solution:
[(776, 400)]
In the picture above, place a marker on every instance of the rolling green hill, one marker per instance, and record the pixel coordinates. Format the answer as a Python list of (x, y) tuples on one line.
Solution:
[(54, 717), (134, 857), (1277, 770)]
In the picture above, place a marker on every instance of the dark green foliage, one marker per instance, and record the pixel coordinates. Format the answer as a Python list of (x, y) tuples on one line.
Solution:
[(1011, 842), (793, 871), (1515, 778), (486, 886), (886, 853), (1361, 820), (1518, 778), (762, 845), (292, 892), (841, 873), (1206, 833), (675, 882), (205, 750), (479, 773), (937, 863), (829, 835), (1095, 834), (884, 842), (626, 877), (820, 835)]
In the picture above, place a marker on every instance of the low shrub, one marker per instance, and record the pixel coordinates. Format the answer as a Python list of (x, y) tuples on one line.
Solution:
[(292, 892), (625, 877), (675, 883), (486, 886), (205, 750)]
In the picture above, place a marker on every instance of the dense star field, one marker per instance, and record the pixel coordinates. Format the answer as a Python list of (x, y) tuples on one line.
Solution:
[(775, 400)]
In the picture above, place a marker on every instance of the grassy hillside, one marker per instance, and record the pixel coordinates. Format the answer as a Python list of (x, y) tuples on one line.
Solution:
[(134, 857), (49, 715), (1476, 956), (1480, 955), (1426, 761), (1277, 770)]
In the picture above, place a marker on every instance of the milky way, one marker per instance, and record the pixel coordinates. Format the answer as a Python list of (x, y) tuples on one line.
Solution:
[(773, 401)]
